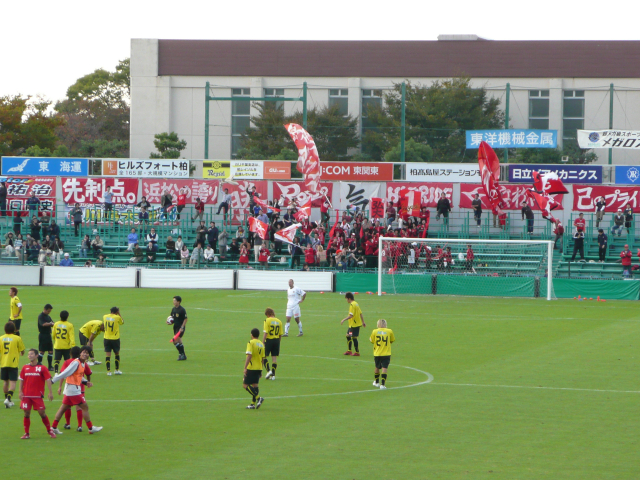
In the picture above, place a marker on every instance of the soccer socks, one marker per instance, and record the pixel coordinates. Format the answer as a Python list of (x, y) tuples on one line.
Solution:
[(355, 345), (117, 362), (67, 417), (27, 424), (108, 364), (384, 378), (349, 342), (79, 415), (265, 363), (47, 425), (9, 395), (56, 366), (40, 356), (50, 360), (55, 424), (286, 328), (377, 377), (253, 393), (180, 348), (273, 368), (89, 425), (300, 326)]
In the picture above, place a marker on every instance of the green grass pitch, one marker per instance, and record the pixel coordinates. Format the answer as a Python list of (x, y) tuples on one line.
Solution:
[(479, 388)]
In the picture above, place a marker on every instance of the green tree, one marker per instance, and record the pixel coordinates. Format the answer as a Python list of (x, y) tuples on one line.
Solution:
[(97, 108), (169, 145), (413, 152), (436, 115), (333, 133), (26, 122)]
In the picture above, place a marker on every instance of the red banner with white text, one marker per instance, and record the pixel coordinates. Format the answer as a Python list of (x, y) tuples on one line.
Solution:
[(240, 197), (429, 192), (91, 190), (298, 191), (584, 197), (19, 189), (206, 190), (512, 196)]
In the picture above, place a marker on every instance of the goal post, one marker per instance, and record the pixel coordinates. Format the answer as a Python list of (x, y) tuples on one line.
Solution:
[(478, 267)]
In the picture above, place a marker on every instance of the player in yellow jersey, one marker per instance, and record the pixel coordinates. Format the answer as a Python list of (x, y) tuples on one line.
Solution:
[(271, 339), (356, 320), (11, 347), (382, 338), (64, 339), (253, 369), (112, 324), (16, 309), (88, 333)]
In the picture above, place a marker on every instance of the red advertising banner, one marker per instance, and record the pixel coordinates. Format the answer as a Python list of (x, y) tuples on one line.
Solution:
[(429, 192), (91, 190), (298, 191), (240, 197), (584, 197), (206, 190), (512, 195), (19, 189), (367, 171)]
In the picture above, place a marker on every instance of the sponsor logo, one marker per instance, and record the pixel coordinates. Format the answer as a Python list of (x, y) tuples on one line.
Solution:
[(594, 136), (633, 174)]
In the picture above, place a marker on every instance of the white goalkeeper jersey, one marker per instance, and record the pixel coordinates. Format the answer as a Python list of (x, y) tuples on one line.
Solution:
[(294, 295)]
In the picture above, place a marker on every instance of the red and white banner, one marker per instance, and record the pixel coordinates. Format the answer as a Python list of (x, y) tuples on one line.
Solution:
[(377, 208), (264, 205), (512, 196), (287, 234), (489, 166), (359, 171), (584, 197), (429, 192), (308, 160), (20, 189), (240, 197), (259, 227), (304, 211), (206, 190), (91, 190), (298, 191)]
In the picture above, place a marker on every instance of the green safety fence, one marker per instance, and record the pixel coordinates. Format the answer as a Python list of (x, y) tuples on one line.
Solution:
[(489, 286)]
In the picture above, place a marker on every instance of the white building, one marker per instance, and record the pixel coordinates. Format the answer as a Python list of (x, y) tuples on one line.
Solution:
[(561, 85)]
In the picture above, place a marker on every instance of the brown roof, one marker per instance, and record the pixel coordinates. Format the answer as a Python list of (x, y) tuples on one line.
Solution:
[(480, 58)]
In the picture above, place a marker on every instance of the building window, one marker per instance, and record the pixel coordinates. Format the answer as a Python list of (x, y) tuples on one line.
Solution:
[(539, 109), (240, 118), (275, 92), (340, 97), (371, 98), (572, 113)]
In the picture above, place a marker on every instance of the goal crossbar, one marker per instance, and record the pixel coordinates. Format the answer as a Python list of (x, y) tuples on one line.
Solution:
[(467, 241)]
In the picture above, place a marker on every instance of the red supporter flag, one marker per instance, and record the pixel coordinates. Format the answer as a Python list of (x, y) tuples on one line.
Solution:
[(377, 207), (304, 211), (548, 183), (332, 232), (287, 234), (545, 203), (490, 174), (264, 205), (308, 159), (259, 227)]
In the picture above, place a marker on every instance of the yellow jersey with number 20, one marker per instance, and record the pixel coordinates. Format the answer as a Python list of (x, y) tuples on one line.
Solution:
[(273, 328)]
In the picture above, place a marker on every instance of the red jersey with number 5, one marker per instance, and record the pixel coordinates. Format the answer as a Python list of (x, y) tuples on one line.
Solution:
[(33, 379)]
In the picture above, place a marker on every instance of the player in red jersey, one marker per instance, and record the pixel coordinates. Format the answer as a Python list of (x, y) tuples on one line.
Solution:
[(33, 378), (74, 374), (87, 375)]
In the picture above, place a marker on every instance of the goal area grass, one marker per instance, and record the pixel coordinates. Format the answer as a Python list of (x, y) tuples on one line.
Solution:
[(479, 388)]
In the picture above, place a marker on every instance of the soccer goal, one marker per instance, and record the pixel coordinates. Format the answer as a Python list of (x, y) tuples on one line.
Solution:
[(435, 266)]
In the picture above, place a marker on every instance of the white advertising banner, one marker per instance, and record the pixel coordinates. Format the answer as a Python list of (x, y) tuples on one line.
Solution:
[(204, 278), (609, 138), (90, 277), (261, 280), (443, 172), (145, 168), (247, 169), (19, 275), (358, 194)]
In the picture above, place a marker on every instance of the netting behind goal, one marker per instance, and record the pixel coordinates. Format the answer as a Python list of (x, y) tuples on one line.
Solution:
[(501, 268)]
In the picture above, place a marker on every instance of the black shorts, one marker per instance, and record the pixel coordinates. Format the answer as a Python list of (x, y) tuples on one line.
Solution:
[(382, 362), (83, 340), (112, 345), (62, 353), (252, 377), (272, 347), (8, 373), (45, 343), (353, 331), (17, 323), (176, 329)]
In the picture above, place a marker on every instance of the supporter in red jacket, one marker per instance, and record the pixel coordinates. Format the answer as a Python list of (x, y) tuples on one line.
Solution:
[(580, 223), (263, 256), (558, 231), (625, 257), (310, 256)]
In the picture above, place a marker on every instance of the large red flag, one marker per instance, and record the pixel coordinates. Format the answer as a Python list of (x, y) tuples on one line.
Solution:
[(490, 174), (259, 227), (264, 205), (377, 208), (304, 211), (545, 203), (287, 234), (308, 159), (548, 183), (332, 232)]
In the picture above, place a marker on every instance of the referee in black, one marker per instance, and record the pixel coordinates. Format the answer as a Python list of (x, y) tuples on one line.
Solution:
[(45, 343), (179, 315)]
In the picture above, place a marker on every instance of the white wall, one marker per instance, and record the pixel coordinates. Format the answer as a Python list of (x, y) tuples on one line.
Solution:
[(266, 280), (15, 275)]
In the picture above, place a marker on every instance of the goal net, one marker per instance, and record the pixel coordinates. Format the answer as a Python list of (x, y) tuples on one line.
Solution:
[(434, 266)]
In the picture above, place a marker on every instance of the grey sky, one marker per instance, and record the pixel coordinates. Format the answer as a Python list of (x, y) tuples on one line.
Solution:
[(46, 46)]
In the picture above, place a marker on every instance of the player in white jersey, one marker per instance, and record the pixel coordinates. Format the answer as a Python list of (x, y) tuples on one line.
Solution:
[(295, 296)]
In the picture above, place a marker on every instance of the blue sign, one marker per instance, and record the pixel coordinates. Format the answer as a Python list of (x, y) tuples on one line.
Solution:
[(513, 138), (627, 175), (45, 167), (567, 173)]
